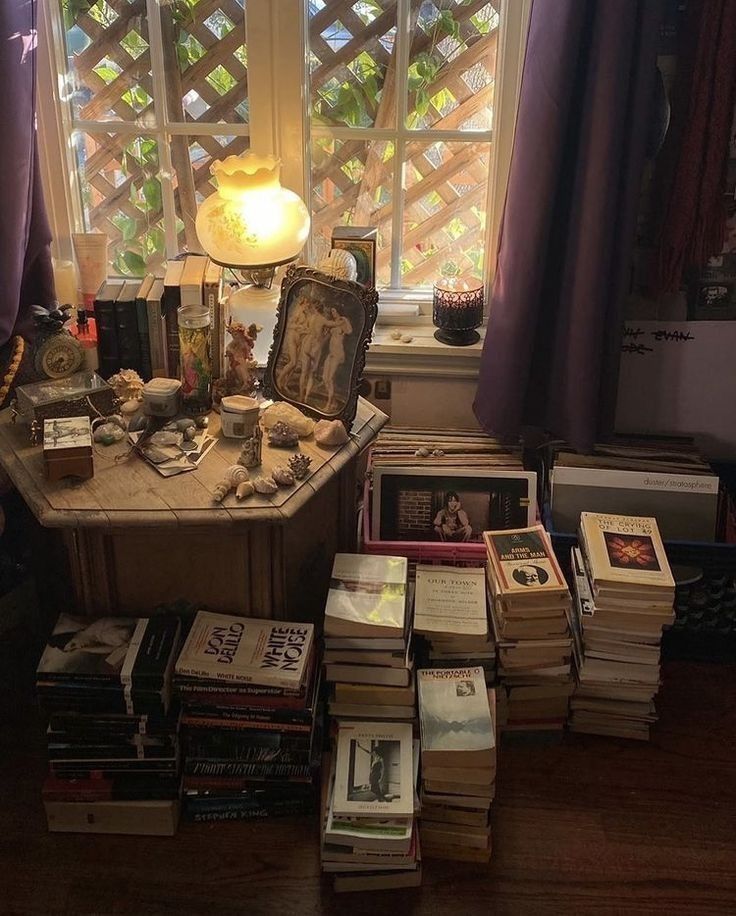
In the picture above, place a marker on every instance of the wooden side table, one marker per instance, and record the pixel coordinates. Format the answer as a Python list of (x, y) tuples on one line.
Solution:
[(136, 539)]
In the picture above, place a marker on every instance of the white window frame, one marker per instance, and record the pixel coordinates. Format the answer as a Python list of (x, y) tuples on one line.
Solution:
[(279, 124)]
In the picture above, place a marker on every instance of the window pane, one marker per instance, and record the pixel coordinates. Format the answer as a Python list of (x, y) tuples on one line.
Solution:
[(121, 194), (191, 158), (207, 78), (351, 49), (351, 185), (109, 60), (452, 66), (445, 188)]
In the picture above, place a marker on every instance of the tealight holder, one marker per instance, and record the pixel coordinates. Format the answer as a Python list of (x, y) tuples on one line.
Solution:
[(457, 310)]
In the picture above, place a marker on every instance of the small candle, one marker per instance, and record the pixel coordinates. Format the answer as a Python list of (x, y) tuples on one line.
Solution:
[(457, 309), (65, 282)]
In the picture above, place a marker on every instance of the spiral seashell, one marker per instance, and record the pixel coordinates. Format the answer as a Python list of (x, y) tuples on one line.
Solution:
[(234, 475)]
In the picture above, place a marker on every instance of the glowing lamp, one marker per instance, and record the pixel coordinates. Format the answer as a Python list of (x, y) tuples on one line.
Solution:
[(251, 223)]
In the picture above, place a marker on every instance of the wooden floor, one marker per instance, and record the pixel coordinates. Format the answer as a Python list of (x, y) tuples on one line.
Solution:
[(593, 826)]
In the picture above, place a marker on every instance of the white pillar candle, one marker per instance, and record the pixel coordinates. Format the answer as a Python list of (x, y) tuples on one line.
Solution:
[(65, 282)]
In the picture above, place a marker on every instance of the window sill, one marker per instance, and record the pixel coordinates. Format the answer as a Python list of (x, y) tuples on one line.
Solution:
[(423, 355)]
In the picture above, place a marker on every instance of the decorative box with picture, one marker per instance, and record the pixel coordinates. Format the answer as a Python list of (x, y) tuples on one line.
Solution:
[(361, 242), (323, 328)]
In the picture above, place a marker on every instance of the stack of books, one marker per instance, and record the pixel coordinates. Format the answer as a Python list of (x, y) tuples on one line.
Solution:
[(624, 597), (251, 725), (136, 320), (113, 747), (369, 807), (367, 630), (451, 617), (530, 612), (458, 754)]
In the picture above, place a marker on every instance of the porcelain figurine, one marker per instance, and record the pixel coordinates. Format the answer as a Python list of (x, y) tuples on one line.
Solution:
[(240, 374), (250, 453)]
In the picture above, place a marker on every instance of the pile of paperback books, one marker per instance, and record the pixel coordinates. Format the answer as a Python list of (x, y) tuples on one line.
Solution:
[(369, 805), (530, 609), (251, 725), (451, 616), (624, 597), (458, 754), (105, 688), (367, 629)]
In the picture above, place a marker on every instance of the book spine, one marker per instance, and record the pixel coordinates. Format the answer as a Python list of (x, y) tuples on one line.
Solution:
[(157, 339), (107, 339), (144, 339), (126, 324), (228, 693), (211, 292), (257, 718), (203, 766), (170, 307), (246, 727), (232, 810), (242, 679)]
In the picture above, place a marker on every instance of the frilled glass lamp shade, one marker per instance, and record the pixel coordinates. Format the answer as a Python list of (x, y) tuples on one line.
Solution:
[(251, 222)]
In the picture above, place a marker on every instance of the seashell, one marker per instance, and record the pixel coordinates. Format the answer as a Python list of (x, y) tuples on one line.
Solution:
[(339, 264), (265, 485), (438, 453), (395, 335), (234, 475), (184, 423), (422, 453), (291, 416), (283, 476), (330, 433), (281, 435), (130, 407), (189, 433), (245, 489), (299, 465), (406, 338), (202, 422)]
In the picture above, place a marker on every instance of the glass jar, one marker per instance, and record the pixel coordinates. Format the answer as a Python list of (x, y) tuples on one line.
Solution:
[(195, 358)]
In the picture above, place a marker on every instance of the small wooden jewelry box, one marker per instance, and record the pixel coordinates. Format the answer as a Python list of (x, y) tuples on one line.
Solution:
[(67, 448)]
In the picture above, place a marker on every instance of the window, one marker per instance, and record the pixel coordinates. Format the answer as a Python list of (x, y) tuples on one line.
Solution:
[(390, 113)]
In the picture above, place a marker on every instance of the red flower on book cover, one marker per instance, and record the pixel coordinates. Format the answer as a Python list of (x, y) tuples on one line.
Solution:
[(634, 552)]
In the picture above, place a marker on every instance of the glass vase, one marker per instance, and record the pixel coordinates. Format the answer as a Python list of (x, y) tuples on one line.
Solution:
[(195, 358)]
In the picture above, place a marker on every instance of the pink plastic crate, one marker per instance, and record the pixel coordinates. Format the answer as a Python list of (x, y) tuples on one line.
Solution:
[(427, 552)]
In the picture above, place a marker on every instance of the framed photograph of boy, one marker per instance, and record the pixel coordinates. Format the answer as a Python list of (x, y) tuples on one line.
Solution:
[(323, 328), (450, 504)]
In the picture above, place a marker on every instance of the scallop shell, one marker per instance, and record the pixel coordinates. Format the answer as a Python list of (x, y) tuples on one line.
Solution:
[(339, 264)]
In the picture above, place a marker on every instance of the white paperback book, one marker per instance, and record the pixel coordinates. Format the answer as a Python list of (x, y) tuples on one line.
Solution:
[(367, 596), (449, 599), (243, 650), (373, 771)]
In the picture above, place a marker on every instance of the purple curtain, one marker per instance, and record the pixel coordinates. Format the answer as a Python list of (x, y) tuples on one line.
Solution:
[(550, 358), (25, 258)]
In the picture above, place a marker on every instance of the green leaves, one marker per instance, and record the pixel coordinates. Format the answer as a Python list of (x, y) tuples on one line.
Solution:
[(72, 10)]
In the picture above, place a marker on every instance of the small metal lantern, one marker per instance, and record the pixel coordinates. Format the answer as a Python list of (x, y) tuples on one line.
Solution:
[(457, 310)]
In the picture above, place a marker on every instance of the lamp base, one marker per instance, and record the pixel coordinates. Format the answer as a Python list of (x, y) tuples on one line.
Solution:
[(457, 338)]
